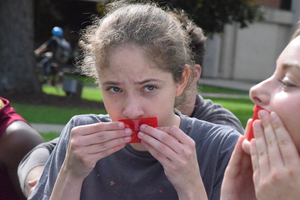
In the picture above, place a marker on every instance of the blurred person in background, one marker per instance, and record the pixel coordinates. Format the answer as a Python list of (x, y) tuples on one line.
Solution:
[(58, 52)]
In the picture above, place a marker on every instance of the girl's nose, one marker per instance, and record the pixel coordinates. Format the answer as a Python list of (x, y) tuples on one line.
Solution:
[(133, 109), (260, 93)]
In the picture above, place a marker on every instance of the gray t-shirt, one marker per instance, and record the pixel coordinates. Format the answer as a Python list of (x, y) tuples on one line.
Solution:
[(131, 174), (206, 110)]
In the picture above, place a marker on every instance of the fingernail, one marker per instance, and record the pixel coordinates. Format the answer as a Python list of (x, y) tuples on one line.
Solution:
[(128, 131), (142, 126), (128, 139), (262, 115), (274, 117), (141, 134), (121, 124)]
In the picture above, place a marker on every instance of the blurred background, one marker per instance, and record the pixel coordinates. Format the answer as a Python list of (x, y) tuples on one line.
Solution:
[(244, 36)]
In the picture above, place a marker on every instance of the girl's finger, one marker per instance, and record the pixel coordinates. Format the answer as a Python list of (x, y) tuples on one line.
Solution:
[(164, 135), (98, 127), (176, 133), (261, 148), (255, 162), (159, 143), (275, 158), (246, 143), (287, 148), (104, 136), (249, 123), (236, 164)]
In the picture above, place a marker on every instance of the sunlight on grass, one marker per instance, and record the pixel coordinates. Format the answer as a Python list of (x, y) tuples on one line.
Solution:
[(88, 93), (53, 90), (241, 108), (211, 89), (92, 94), (51, 115)]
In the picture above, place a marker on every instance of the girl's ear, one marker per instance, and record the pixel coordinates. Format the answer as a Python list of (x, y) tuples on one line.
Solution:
[(184, 80)]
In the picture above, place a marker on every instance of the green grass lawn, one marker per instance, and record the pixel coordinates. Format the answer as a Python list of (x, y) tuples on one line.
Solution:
[(242, 108)]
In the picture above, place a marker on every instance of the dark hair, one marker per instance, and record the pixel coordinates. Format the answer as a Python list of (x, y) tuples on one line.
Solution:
[(197, 38)]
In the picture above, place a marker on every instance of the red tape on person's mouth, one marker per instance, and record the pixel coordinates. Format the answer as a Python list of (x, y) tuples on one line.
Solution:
[(256, 109), (134, 125)]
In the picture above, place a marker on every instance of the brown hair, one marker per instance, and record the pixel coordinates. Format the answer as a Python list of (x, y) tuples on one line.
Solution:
[(153, 29), (197, 38)]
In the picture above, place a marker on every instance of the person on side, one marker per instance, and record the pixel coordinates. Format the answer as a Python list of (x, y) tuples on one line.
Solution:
[(17, 138), (267, 167)]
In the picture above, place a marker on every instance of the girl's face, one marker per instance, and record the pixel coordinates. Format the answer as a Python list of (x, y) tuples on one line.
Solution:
[(134, 87), (281, 92)]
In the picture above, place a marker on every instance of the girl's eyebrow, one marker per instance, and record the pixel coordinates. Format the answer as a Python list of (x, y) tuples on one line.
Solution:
[(137, 83), (148, 80), (110, 83), (287, 65)]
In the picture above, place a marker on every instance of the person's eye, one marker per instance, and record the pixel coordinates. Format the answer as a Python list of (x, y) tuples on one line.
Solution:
[(113, 89), (285, 83), (149, 88)]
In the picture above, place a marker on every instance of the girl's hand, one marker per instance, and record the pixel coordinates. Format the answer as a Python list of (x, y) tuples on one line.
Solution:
[(90, 143), (176, 152), (275, 160), (238, 183)]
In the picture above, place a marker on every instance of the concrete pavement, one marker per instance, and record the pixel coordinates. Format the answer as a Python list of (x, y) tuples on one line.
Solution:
[(45, 128)]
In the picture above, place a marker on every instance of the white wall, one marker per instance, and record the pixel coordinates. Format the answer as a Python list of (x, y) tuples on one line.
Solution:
[(249, 54)]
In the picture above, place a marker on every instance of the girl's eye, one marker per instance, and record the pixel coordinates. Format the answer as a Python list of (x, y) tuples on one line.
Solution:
[(114, 89), (149, 88), (285, 83)]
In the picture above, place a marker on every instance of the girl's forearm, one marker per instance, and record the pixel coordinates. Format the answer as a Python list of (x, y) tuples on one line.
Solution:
[(67, 186), (196, 191)]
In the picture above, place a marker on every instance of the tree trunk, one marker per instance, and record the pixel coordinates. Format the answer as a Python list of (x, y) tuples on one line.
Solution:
[(17, 60)]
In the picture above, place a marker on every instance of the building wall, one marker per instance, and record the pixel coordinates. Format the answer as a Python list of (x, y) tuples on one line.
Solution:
[(250, 54)]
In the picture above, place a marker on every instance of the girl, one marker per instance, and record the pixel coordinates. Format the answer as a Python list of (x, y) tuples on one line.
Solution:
[(274, 172), (140, 56)]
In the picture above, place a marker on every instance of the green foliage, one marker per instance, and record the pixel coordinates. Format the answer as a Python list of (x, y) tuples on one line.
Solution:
[(213, 15)]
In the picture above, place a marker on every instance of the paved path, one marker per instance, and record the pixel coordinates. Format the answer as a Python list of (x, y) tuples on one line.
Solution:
[(45, 128)]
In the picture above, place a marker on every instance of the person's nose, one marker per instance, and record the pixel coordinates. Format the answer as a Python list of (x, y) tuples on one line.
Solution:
[(260, 94), (133, 108)]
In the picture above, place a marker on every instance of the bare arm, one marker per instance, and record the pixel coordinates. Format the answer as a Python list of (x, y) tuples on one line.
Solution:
[(18, 139), (40, 50)]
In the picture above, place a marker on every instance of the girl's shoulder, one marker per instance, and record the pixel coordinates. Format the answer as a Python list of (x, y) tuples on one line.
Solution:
[(196, 128), (84, 119)]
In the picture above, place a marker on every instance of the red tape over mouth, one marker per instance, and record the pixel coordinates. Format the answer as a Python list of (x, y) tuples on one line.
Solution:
[(134, 125), (256, 109)]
